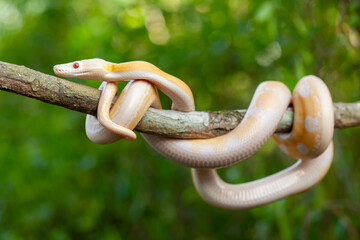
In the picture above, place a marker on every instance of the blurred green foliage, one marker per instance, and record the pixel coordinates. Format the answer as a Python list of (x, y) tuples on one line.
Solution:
[(56, 184)]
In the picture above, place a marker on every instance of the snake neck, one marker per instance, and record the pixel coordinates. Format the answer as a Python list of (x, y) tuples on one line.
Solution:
[(176, 89)]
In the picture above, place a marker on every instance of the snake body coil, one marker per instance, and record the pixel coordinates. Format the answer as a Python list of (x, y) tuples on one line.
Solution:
[(309, 140)]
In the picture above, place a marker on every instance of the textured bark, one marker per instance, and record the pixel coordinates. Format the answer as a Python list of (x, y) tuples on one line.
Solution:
[(81, 98)]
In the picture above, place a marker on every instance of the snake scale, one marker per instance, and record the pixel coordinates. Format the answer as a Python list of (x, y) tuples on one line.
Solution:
[(310, 140)]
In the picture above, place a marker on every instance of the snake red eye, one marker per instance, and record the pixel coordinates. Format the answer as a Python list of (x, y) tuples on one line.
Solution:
[(75, 65)]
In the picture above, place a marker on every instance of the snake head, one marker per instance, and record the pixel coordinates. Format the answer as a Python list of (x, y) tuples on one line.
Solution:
[(84, 69)]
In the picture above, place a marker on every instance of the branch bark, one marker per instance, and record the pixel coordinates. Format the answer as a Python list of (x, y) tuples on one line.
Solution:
[(84, 99)]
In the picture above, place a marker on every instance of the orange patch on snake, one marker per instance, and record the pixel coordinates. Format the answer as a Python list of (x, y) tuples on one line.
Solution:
[(147, 67), (305, 137), (217, 144), (274, 89)]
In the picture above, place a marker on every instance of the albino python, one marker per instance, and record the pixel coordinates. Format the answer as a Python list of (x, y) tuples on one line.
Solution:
[(310, 139)]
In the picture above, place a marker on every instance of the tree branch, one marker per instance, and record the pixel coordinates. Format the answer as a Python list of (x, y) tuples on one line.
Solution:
[(81, 98)]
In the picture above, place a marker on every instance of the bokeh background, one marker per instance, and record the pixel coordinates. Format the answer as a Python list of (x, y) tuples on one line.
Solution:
[(56, 184)]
